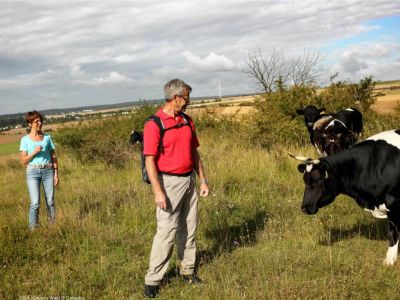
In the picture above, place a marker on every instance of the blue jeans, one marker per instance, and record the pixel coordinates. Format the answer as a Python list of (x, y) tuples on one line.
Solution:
[(34, 178)]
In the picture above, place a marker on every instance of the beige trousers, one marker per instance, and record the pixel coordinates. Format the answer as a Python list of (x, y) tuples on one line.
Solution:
[(178, 221)]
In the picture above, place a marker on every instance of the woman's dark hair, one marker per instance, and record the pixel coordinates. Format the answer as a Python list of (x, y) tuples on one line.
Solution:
[(30, 116)]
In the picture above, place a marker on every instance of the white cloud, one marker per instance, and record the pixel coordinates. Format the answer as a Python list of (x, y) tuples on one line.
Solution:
[(76, 71), (133, 47), (27, 80), (112, 79), (213, 62), (380, 60)]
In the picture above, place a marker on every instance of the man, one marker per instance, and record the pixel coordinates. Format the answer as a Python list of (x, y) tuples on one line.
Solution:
[(170, 170)]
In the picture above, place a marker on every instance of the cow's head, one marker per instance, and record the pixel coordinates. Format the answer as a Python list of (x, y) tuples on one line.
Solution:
[(136, 137), (333, 137), (311, 115), (319, 186)]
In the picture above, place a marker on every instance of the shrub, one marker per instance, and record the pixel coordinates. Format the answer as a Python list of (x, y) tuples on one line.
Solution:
[(276, 121), (105, 140)]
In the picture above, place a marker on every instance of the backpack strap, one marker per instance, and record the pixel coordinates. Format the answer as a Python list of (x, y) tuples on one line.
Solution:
[(160, 125)]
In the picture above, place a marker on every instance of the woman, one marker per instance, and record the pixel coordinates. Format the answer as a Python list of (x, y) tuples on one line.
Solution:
[(37, 153)]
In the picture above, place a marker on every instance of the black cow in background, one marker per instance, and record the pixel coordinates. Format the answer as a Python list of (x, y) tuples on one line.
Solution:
[(332, 133), (136, 137), (369, 172), (311, 115)]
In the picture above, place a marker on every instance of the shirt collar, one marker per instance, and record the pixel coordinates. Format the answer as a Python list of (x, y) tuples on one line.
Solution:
[(165, 116)]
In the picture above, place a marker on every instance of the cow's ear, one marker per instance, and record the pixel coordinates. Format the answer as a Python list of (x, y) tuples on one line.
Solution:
[(321, 110), (300, 111), (301, 168)]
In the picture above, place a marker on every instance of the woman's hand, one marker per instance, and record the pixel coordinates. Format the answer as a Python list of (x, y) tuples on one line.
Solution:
[(37, 150)]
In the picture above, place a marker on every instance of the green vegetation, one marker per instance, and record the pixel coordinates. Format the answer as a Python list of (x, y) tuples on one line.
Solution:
[(253, 241), (9, 148)]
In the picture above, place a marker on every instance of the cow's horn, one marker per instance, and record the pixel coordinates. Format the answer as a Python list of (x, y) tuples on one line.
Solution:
[(305, 159)]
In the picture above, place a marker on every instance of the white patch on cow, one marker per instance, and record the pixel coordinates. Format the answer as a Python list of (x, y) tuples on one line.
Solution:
[(379, 214), (391, 255), (332, 123), (309, 168), (383, 207), (349, 109), (391, 137)]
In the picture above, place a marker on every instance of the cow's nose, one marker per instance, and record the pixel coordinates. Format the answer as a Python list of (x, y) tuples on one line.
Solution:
[(304, 210)]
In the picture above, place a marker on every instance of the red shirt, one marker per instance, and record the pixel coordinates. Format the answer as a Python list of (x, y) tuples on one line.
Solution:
[(178, 143)]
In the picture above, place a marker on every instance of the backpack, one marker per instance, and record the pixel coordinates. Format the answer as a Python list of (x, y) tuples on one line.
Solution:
[(160, 125)]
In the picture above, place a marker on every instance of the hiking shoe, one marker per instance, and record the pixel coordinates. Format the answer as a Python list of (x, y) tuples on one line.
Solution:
[(150, 291), (192, 279)]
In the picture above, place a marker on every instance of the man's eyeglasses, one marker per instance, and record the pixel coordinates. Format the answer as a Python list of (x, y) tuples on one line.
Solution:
[(37, 122), (186, 98)]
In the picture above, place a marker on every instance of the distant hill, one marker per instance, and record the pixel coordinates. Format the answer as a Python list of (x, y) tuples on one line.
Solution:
[(12, 120)]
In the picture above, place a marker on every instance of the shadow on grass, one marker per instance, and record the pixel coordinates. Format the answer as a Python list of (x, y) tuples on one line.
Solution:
[(225, 238), (377, 230)]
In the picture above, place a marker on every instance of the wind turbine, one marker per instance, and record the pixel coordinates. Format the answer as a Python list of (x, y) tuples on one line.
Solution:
[(219, 89)]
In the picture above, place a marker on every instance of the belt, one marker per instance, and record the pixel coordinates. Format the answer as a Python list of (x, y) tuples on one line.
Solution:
[(179, 175), (45, 166)]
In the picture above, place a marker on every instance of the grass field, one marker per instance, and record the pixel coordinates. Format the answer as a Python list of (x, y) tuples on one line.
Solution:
[(9, 148), (253, 241)]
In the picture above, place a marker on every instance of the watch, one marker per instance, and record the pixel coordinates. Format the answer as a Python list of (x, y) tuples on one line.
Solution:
[(204, 181)]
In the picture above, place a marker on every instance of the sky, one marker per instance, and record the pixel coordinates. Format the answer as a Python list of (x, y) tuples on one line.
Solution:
[(61, 54)]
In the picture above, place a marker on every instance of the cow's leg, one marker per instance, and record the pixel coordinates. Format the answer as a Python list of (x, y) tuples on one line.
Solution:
[(394, 227)]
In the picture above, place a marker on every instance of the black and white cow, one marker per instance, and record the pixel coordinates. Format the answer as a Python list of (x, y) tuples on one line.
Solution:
[(136, 137), (331, 136), (332, 133), (311, 115), (369, 172)]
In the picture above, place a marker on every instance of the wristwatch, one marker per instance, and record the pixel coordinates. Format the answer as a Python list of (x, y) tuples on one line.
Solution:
[(204, 181)]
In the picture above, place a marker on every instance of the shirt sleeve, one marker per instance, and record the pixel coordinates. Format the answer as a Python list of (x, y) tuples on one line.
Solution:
[(23, 146), (151, 138), (51, 144), (195, 140)]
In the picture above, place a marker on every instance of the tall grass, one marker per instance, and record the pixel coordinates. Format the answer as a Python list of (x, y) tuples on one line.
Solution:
[(253, 241)]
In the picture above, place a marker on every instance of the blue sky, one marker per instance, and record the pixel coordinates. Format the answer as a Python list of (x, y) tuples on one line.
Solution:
[(384, 32), (58, 54)]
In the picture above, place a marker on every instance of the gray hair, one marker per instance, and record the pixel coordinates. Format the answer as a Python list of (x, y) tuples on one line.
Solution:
[(175, 87)]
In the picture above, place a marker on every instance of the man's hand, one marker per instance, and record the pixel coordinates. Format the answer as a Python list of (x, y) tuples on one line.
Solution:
[(161, 199), (56, 180), (204, 189)]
